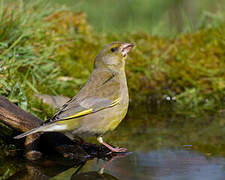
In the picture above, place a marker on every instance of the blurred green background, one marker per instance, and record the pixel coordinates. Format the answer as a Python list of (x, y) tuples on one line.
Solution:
[(153, 16)]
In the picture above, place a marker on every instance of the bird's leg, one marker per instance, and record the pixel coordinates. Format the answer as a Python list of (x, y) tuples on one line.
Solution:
[(112, 149)]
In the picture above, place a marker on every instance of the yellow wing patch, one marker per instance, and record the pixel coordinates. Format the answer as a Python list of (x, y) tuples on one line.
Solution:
[(115, 102), (80, 114), (88, 111)]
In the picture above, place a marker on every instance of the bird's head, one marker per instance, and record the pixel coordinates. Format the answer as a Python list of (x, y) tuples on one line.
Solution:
[(113, 55)]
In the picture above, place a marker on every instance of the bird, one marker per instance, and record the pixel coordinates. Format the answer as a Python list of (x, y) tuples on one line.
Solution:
[(100, 105)]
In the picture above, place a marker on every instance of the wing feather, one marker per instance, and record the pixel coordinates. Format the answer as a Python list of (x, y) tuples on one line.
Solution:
[(100, 92)]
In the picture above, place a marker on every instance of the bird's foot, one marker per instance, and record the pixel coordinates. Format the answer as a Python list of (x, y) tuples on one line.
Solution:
[(112, 149)]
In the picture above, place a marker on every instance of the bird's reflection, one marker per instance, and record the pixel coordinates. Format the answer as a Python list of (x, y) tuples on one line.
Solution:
[(45, 169)]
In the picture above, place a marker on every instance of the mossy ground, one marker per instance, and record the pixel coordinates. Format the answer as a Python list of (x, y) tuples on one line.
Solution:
[(50, 50)]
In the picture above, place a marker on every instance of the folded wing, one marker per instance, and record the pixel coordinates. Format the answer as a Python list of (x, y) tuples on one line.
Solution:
[(101, 91)]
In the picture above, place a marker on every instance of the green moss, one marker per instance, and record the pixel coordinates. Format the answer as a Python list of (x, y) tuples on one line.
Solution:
[(41, 45), (189, 68)]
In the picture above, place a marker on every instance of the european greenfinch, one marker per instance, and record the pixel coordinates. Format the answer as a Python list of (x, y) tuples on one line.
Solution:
[(100, 105)]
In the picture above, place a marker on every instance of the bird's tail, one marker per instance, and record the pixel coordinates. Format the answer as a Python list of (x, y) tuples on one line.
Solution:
[(32, 131), (50, 127)]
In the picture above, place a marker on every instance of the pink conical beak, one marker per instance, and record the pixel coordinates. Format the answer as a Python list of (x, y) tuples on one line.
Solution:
[(125, 48)]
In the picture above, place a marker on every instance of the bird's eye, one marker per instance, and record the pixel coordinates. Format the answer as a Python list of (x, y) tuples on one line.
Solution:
[(113, 49)]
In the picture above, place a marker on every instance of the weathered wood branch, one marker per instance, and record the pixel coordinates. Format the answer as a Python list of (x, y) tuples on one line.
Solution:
[(36, 144), (15, 117)]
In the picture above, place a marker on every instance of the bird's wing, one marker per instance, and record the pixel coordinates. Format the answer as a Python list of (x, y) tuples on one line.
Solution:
[(100, 92)]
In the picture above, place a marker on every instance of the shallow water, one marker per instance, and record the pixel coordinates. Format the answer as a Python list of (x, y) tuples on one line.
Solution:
[(162, 146)]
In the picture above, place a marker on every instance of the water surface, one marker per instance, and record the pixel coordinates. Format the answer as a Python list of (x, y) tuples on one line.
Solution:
[(162, 146)]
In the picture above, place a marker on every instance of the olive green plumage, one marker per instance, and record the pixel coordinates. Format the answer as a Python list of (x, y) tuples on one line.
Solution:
[(101, 104)]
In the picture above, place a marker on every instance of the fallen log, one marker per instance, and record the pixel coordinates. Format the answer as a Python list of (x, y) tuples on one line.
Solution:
[(47, 143)]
